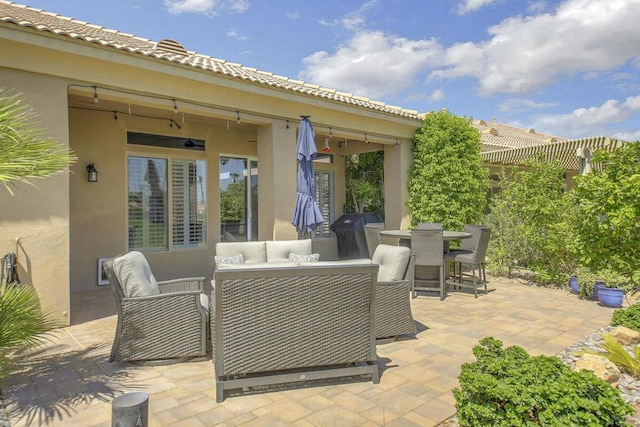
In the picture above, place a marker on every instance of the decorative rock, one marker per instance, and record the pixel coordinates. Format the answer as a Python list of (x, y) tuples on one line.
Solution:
[(626, 336), (600, 366)]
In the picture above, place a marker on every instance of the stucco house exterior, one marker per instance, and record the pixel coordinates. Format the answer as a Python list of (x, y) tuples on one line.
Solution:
[(154, 118), (189, 150)]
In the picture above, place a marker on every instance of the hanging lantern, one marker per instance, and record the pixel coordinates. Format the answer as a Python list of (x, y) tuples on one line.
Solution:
[(326, 147)]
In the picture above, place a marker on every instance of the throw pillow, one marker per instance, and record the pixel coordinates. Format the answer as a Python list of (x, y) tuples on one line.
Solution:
[(233, 259), (303, 258)]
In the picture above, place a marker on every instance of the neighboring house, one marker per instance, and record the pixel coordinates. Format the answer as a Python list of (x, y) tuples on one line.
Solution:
[(189, 150)]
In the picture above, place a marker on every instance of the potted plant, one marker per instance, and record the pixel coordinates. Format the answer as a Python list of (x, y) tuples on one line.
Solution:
[(611, 297), (575, 286)]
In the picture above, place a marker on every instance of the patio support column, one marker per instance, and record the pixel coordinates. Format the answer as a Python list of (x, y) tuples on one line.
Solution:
[(276, 181), (397, 161)]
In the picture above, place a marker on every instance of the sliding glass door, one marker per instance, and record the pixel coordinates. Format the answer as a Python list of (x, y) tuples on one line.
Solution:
[(238, 198)]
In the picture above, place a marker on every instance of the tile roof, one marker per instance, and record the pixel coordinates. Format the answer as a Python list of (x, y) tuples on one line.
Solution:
[(496, 136), (172, 51), (564, 151)]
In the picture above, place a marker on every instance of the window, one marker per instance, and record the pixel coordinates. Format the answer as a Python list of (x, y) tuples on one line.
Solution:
[(149, 203), (325, 199)]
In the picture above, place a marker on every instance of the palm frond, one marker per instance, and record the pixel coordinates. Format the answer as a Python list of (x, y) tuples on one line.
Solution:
[(26, 152)]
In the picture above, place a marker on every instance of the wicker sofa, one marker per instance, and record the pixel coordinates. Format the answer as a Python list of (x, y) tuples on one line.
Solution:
[(281, 325)]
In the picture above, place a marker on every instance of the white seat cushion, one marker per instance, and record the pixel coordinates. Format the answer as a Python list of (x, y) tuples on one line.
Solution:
[(251, 251), (279, 250), (392, 260), (135, 276)]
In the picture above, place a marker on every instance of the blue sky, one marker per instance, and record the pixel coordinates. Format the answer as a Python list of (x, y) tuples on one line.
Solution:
[(569, 68)]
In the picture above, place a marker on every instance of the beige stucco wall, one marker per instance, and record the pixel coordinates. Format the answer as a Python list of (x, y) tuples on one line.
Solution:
[(39, 216), (67, 223)]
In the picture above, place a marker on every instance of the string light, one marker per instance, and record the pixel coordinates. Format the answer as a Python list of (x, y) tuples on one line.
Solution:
[(395, 140)]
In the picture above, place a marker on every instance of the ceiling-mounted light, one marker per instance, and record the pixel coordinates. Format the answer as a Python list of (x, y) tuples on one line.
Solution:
[(129, 109), (95, 94), (366, 139), (115, 115), (330, 133), (238, 117), (175, 107), (397, 142), (287, 124)]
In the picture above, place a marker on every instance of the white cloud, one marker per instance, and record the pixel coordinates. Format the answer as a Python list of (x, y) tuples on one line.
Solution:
[(206, 7), (467, 6), (293, 15), (628, 136), (583, 122), (436, 95), (537, 7), (372, 63), (526, 53), (520, 105), (354, 20), (235, 34)]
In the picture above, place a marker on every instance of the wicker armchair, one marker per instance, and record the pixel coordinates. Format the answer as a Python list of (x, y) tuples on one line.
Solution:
[(472, 253), (427, 244), (156, 320), (393, 291), (372, 235)]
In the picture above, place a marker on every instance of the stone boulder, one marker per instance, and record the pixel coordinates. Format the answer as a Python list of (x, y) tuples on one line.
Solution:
[(600, 366), (626, 336)]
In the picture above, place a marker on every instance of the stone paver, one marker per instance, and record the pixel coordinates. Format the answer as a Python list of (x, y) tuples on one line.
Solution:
[(70, 382)]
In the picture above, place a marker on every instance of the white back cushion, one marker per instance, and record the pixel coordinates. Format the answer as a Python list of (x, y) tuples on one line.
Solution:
[(279, 250), (392, 260), (251, 251), (134, 273)]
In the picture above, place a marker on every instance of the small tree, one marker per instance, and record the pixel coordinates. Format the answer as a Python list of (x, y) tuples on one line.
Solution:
[(608, 220), (531, 222), (365, 183), (448, 182)]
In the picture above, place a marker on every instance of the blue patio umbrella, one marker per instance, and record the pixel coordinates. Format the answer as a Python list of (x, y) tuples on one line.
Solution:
[(306, 216)]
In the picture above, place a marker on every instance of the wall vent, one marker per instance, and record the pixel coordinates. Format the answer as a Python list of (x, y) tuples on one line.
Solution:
[(171, 46)]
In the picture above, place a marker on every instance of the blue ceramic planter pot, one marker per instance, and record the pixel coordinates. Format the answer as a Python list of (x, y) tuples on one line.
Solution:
[(573, 282), (596, 289), (610, 297)]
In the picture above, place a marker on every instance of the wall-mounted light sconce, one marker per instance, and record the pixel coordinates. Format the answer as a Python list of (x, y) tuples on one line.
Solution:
[(92, 173)]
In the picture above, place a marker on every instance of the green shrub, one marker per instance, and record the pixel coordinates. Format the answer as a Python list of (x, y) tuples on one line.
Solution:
[(628, 317), (531, 221), (507, 387)]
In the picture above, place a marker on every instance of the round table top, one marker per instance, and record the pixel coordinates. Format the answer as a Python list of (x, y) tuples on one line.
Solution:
[(406, 234)]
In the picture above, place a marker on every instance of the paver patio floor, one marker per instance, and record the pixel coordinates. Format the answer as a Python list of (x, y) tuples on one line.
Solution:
[(71, 383)]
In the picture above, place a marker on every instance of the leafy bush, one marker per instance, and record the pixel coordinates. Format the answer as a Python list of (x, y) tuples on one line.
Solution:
[(507, 387), (448, 183), (628, 317), (608, 220), (531, 221)]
